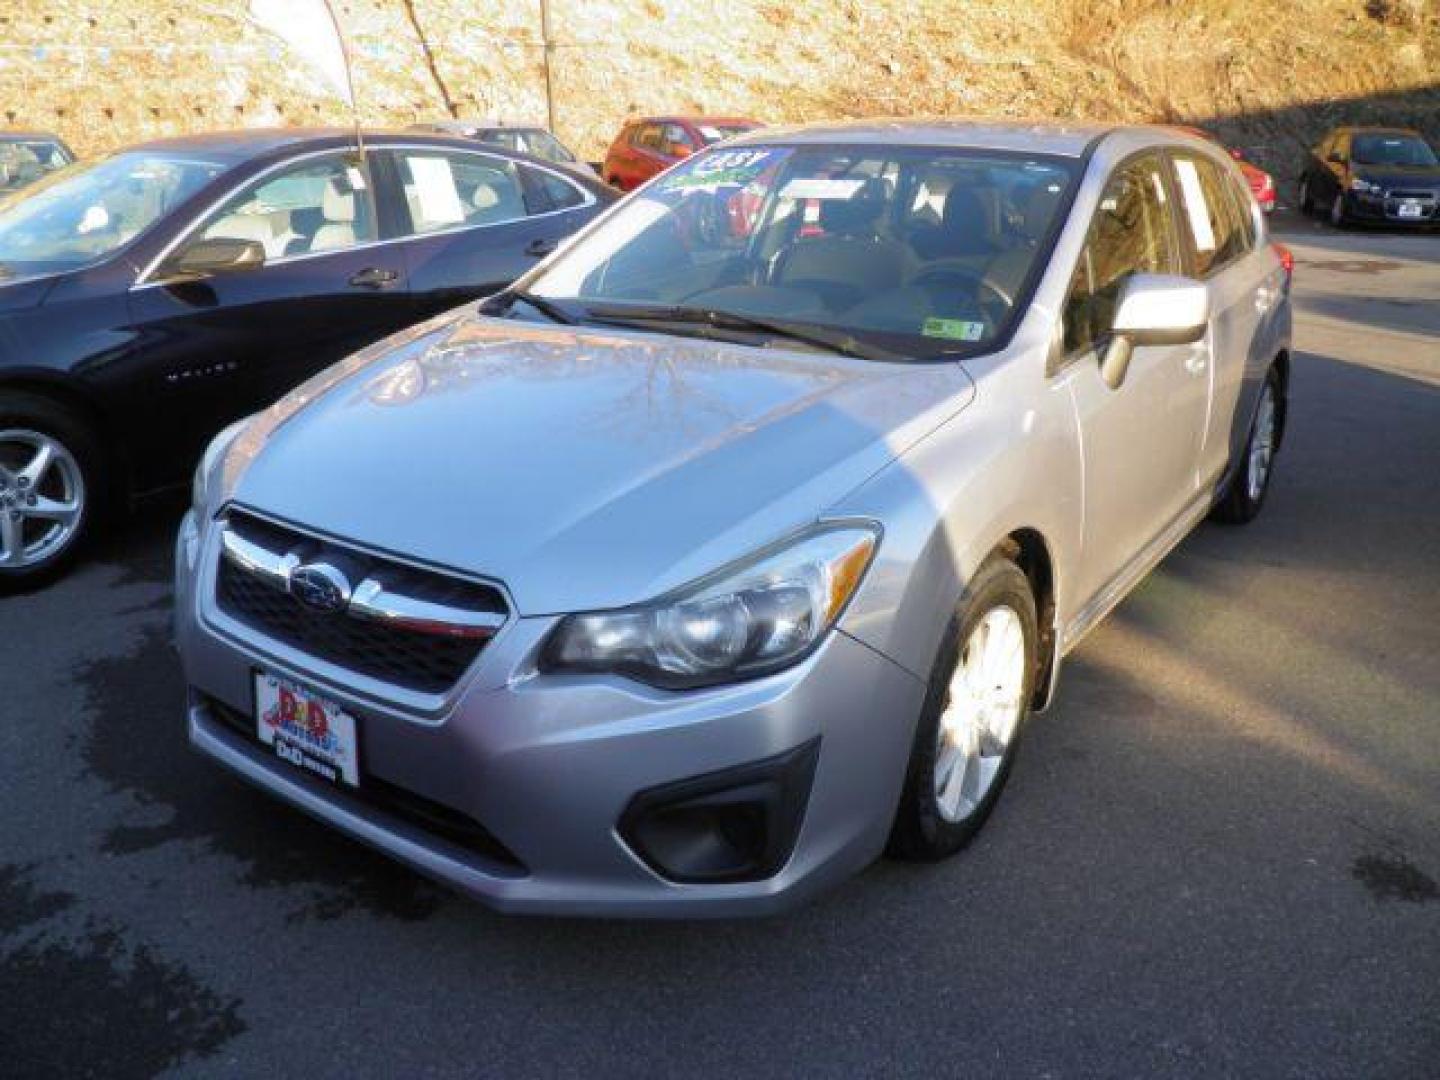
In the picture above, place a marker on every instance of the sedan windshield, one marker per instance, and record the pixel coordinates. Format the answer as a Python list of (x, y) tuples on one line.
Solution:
[(909, 252), (534, 141), (713, 133), (23, 161), (1392, 150), (81, 214)]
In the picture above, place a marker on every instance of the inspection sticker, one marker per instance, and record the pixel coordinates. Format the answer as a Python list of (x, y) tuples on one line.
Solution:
[(956, 329)]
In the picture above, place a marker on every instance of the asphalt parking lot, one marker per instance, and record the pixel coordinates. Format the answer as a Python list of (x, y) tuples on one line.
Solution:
[(1220, 853)]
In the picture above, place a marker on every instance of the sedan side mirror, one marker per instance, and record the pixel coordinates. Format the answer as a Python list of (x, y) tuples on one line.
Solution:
[(215, 255), (1153, 309)]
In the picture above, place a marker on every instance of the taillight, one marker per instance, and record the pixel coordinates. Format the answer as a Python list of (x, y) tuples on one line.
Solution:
[(1287, 261)]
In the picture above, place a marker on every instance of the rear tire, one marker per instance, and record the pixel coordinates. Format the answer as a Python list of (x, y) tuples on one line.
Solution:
[(53, 489), (974, 716), (1245, 494)]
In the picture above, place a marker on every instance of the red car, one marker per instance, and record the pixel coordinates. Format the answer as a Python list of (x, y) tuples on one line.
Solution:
[(651, 144), (1262, 184)]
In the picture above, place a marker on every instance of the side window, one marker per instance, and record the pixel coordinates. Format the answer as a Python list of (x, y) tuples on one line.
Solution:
[(673, 136), (549, 192), (320, 205), (1243, 203), (445, 190), (1130, 234), (1215, 232)]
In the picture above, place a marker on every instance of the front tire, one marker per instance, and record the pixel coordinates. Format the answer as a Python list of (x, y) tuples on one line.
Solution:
[(51, 489), (1307, 198), (1245, 494), (974, 713), (1338, 215)]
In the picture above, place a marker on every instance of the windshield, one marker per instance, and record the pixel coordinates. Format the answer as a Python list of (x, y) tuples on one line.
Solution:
[(1392, 150), (533, 141), (23, 161), (916, 251), (82, 213)]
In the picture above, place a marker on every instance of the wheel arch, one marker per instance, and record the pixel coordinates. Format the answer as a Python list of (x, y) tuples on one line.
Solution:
[(1030, 551), (1281, 366), (66, 394)]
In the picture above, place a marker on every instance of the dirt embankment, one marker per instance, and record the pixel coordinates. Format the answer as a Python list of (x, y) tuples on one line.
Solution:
[(1269, 74)]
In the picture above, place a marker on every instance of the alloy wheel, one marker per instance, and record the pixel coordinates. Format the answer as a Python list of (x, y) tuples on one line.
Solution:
[(1262, 446), (982, 713), (42, 498)]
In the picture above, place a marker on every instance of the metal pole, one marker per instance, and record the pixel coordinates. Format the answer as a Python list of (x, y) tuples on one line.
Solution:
[(349, 79), (549, 47)]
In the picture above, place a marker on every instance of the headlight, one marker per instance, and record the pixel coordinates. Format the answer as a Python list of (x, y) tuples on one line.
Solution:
[(749, 620), (1365, 187), (200, 485)]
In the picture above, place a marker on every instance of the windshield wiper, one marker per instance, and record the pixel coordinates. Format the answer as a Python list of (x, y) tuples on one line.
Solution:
[(504, 300), (835, 341)]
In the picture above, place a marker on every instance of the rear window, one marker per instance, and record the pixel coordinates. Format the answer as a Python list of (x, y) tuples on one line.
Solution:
[(1216, 233)]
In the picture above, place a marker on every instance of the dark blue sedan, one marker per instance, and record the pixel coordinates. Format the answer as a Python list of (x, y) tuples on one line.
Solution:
[(152, 296)]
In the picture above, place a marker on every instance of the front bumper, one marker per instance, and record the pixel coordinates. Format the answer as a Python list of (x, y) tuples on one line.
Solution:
[(549, 765), (1388, 209)]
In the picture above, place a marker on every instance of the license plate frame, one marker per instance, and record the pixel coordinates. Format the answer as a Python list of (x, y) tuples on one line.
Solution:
[(306, 730)]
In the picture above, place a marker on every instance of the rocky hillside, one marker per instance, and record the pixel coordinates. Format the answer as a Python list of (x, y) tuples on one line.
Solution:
[(1268, 73)]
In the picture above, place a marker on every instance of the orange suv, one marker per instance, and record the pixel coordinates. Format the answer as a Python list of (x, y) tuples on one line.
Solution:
[(649, 145)]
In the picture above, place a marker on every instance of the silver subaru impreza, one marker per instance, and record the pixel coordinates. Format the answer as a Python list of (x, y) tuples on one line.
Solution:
[(735, 544)]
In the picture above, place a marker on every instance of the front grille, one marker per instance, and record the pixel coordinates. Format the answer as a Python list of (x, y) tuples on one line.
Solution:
[(432, 817), (1423, 196), (416, 660)]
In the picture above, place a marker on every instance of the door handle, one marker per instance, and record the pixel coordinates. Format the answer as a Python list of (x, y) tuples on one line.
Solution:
[(541, 247), (374, 277)]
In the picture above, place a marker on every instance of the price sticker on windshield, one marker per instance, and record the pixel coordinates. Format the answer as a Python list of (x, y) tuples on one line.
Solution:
[(954, 329), (724, 167)]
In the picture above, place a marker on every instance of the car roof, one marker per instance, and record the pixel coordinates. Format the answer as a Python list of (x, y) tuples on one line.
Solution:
[(1377, 129), (251, 143), (487, 124), (1047, 137), (687, 118)]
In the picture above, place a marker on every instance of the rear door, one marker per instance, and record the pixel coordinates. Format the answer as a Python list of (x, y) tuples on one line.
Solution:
[(474, 222), (1222, 232), (1140, 441), (234, 342)]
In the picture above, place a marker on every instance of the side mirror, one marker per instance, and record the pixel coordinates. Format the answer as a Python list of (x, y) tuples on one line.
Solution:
[(1336, 158), (1153, 309), (679, 150), (1238, 155), (216, 255)]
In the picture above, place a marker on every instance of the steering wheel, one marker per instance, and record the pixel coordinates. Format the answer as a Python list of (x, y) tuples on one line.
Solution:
[(996, 304)]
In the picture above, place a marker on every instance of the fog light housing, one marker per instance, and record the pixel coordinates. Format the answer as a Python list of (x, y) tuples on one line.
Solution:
[(738, 824)]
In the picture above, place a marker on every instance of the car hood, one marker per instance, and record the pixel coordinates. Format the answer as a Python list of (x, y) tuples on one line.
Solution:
[(22, 293), (583, 468), (1399, 176)]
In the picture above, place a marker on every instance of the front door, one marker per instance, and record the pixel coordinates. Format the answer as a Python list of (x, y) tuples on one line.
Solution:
[(234, 342), (1141, 440)]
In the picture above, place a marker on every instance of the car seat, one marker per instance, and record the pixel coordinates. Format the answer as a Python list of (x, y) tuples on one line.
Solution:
[(850, 260)]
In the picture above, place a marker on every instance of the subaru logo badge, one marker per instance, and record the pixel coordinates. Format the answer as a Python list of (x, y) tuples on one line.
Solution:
[(320, 587)]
